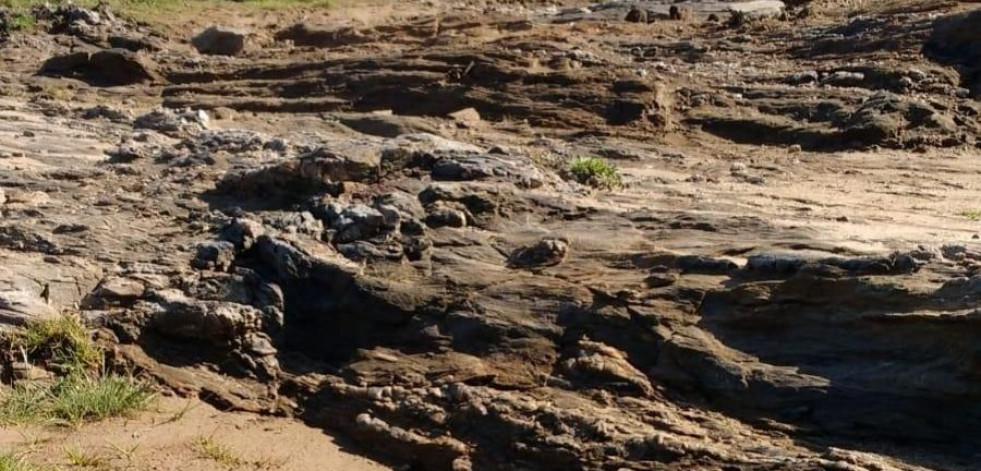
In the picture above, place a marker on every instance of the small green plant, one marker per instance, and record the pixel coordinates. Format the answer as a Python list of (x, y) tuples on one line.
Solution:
[(972, 214), (209, 448), (12, 462), (62, 342), (80, 458), (21, 22), (596, 172)]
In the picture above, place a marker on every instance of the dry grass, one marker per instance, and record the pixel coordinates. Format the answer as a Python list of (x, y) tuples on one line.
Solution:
[(80, 458), (211, 449), (207, 447)]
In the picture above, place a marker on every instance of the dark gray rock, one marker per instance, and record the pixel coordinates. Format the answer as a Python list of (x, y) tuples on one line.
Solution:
[(227, 140), (546, 252), (218, 255), (106, 67), (106, 112), (362, 250), (357, 222), (242, 233), (705, 265), (481, 167), (442, 215), (219, 323), (174, 123), (220, 41), (636, 15), (135, 43), (773, 265)]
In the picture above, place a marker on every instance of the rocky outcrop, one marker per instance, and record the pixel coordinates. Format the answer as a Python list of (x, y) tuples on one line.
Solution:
[(105, 67), (956, 40)]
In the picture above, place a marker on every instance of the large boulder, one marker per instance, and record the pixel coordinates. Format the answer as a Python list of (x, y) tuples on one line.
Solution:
[(220, 41)]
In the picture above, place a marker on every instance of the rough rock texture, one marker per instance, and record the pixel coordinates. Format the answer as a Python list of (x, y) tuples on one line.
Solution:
[(107, 67), (956, 39), (220, 41), (788, 280)]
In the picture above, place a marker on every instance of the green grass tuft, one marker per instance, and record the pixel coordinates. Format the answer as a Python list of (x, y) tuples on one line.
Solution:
[(211, 449), (11, 462), (24, 404), (75, 400), (972, 214), (62, 342), (596, 172), (83, 459), (21, 22)]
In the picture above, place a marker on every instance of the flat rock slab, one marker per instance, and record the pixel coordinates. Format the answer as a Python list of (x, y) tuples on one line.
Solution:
[(31, 140), (618, 10)]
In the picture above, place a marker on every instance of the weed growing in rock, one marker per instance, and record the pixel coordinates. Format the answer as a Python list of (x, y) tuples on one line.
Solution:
[(21, 22), (61, 343), (972, 214), (596, 172)]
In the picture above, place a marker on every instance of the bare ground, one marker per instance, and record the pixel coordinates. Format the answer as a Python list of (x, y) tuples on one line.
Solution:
[(186, 434)]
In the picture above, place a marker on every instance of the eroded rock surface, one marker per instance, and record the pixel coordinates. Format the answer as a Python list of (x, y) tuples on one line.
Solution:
[(787, 279)]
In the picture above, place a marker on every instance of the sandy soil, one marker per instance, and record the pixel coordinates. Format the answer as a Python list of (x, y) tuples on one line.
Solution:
[(170, 437)]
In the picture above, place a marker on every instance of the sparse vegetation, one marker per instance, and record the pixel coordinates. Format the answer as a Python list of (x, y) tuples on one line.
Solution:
[(21, 22), (207, 447), (83, 392), (179, 414), (12, 462), (124, 452), (596, 172), (62, 343), (211, 449), (81, 458), (972, 214), (74, 400)]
